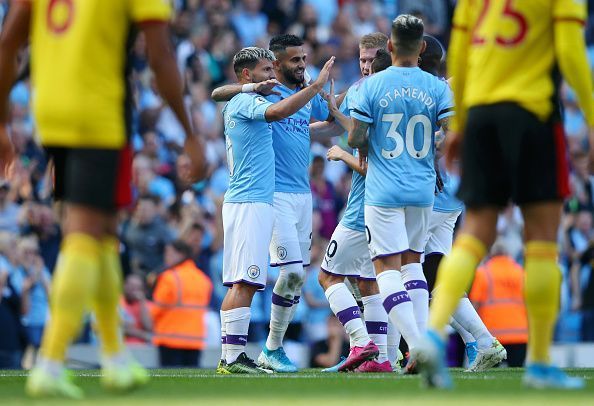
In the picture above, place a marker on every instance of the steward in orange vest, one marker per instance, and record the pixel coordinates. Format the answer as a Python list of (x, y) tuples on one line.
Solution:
[(497, 293), (180, 302)]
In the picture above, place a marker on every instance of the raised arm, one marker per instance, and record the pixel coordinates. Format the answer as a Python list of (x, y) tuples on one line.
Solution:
[(170, 85), (295, 102)]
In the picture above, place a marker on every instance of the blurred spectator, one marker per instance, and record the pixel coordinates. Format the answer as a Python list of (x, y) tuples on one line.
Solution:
[(44, 225), (325, 198), (9, 211), (138, 324), (363, 17), (249, 22), (146, 235), (582, 183), (148, 181), (202, 250), (326, 353), (498, 295), (580, 235), (181, 297), (318, 309), (432, 12), (13, 337), (31, 279), (582, 287)]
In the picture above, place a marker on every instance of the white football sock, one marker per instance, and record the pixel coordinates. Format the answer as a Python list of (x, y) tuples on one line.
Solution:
[(465, 335), (469, 319), (393, 342), (290, 280), (345, 308), (223, 336), (376, 321), (398, 305), (416, 286), (237, 325)]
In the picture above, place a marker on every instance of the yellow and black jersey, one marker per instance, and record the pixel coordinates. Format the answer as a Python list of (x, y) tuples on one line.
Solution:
[(78, 68)]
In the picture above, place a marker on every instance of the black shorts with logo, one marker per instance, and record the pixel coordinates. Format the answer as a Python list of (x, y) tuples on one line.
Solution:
[(97, 178), (509, 154)]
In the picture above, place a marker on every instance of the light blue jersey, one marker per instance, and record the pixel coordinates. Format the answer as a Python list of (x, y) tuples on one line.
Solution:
[(290, 139), (403, 107), (446, 201), (354, 214), (250, 155)]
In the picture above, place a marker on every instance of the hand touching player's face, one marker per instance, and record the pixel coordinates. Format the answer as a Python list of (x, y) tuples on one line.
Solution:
[(291, 65), (264, 70), (366, 57)]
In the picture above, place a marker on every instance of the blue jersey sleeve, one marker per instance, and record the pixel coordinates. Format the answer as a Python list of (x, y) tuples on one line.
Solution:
[(360, 105), (319, 108), (445, 103), (253, 107)]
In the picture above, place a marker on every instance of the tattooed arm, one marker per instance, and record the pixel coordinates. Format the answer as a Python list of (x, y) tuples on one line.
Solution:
[(358, 134), (358, 139)]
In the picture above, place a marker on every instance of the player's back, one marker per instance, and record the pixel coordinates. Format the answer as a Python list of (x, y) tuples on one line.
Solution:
[(250, 155), (78, 63), (403, 106), (511, 54)]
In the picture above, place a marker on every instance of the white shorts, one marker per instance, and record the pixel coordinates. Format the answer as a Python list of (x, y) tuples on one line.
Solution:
[(348, 255), (291, 235), (247, 233), (392, 231), (441, 232)]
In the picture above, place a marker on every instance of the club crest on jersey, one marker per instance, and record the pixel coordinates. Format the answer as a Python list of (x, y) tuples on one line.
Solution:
[(253, 271), (281, 252), (260, 100)]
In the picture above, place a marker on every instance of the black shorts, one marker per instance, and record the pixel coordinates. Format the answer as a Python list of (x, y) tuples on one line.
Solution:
[(508, 154), (97, 178)]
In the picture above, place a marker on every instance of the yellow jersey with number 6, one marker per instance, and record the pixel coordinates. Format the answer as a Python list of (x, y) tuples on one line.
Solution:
[(511, 54), (79, 54)]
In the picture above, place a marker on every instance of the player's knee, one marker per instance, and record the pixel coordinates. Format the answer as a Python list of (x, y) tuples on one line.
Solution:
[(290, 280), (368, 288), (411, 257), (295, 276), (326, 280)]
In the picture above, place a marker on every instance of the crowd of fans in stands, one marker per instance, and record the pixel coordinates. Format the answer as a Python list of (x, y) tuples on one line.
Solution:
[(206, 35)]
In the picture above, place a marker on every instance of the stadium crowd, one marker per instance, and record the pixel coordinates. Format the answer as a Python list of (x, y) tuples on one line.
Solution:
[(170, 214)]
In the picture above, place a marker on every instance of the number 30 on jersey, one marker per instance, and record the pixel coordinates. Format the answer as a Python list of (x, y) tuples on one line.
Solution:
[(408, 140)]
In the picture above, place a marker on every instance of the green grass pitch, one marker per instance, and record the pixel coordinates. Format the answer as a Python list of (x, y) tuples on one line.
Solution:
[(311, 387)]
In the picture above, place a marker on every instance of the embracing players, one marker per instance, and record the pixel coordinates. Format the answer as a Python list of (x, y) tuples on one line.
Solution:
[(248, 214)]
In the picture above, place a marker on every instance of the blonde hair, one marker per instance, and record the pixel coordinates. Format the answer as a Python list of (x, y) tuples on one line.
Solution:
[(374, 40)]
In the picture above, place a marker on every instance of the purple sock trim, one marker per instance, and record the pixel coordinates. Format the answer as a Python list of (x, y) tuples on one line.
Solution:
[(281, 301), (346, 315), (224, 340), (296, 300), (395, 299), (376, 327), (416, 284), (236, 340)]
